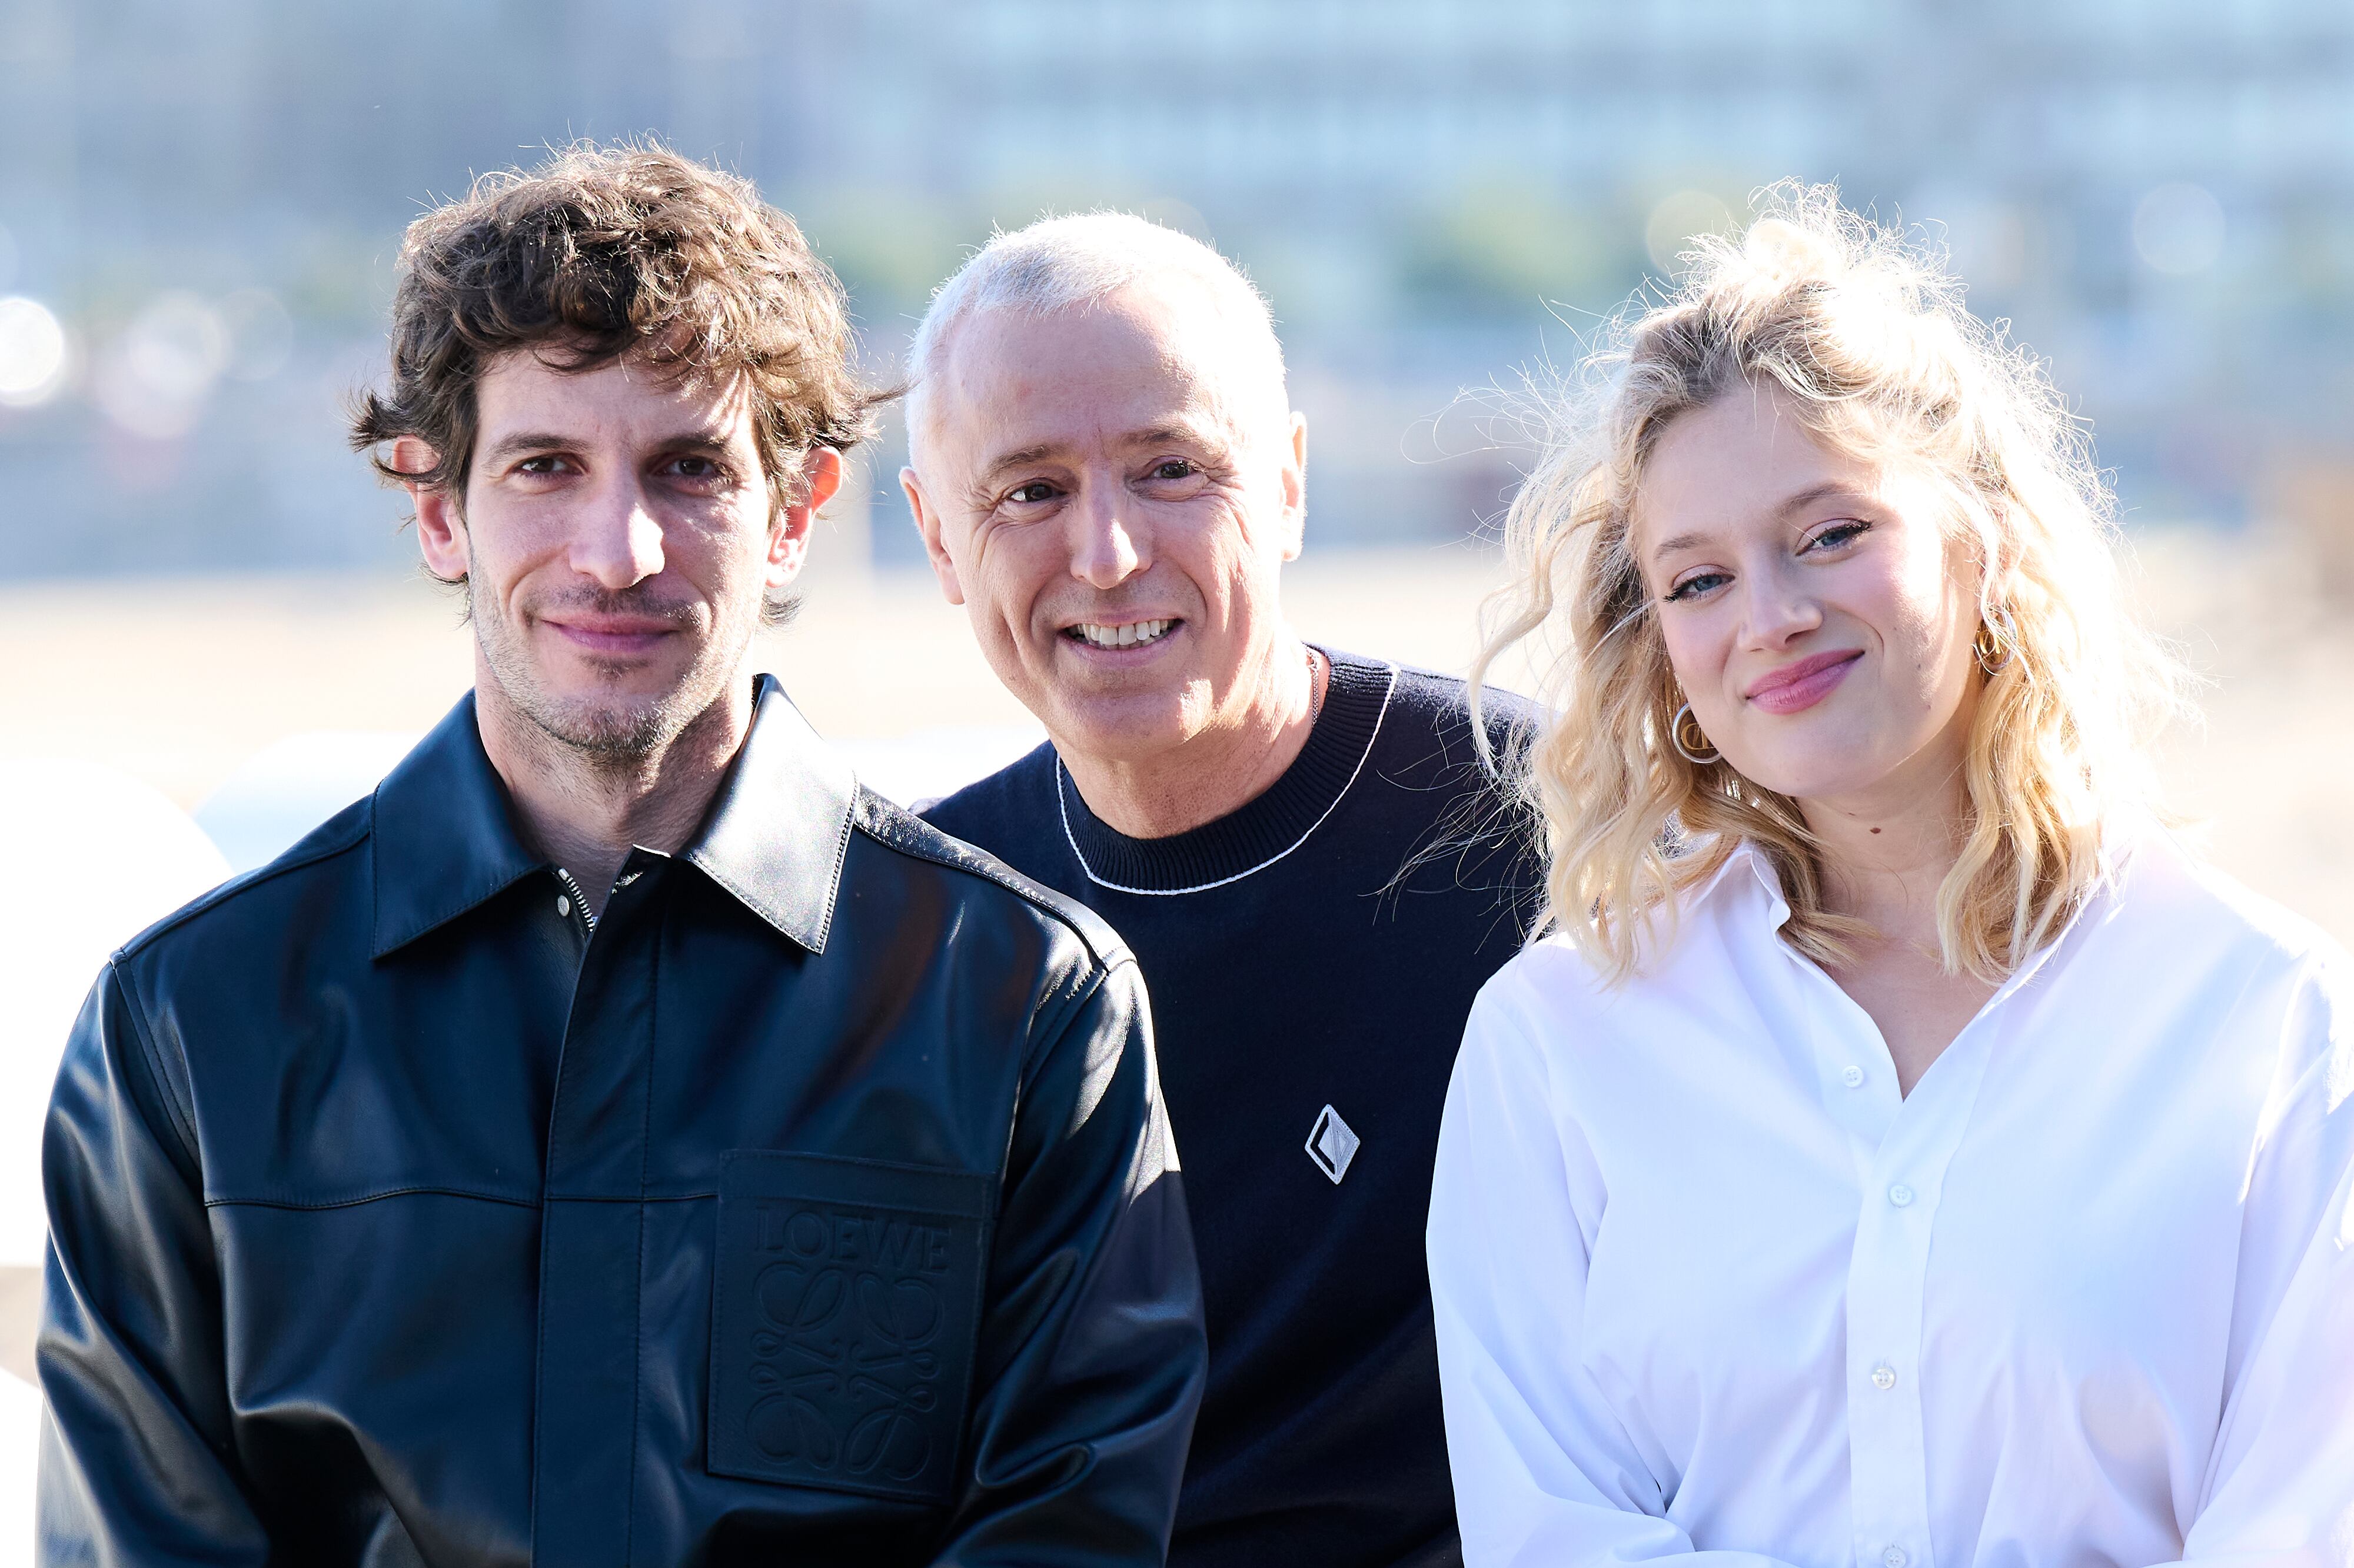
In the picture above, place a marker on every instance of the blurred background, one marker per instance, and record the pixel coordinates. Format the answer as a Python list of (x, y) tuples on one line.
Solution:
[(205, 598), (200, 207)]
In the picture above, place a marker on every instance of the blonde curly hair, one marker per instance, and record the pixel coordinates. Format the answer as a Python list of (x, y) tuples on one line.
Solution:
[(1865, 331)]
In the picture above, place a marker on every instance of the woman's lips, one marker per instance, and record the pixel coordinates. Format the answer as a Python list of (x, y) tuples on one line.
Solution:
[(1793, 688)]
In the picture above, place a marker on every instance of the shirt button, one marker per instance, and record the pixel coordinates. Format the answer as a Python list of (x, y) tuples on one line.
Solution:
[(564, 905), (1900, 1194), (1851, 1076), (1884, 1377), (1894, 1557)]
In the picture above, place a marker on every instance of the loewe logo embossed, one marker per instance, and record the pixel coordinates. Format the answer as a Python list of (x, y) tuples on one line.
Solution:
[(846, 1300), (850, 1311)]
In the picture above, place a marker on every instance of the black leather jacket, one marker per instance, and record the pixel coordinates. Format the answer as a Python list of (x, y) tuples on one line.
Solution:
[(817, 1208)]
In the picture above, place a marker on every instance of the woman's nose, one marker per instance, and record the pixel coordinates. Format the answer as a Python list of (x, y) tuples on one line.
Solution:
[(1777, 607)]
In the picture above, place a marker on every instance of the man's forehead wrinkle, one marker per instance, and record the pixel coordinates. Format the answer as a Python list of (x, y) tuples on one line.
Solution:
[(1192, 380), (677, 378), (1233, 375), (716, 437)]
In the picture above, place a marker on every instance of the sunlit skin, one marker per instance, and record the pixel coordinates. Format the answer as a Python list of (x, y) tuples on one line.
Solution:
[(617, 536), (1119, 466), (1817, 612)]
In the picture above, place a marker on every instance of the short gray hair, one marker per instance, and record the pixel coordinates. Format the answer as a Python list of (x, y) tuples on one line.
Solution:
[(1070, 262)]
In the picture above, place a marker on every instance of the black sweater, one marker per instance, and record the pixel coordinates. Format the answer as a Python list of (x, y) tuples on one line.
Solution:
[(1303, 977)]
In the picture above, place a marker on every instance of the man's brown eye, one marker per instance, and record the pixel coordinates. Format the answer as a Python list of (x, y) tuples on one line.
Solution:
[(1175, 467), (1031, 495)]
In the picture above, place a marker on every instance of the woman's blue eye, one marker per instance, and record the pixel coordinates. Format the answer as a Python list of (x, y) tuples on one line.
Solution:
[(1839, 534), (1697, 585)]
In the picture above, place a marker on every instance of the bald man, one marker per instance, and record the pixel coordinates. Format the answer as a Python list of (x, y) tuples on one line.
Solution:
[(1299, 843)]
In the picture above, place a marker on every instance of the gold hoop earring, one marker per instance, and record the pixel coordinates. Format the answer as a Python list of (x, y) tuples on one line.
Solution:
[(1996, 642), (1692, 749)]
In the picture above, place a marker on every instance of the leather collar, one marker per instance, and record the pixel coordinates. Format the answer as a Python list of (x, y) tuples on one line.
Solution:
[(444, 840)]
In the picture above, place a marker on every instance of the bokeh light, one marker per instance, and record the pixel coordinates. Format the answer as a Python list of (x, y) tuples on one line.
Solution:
[(155, 379), (2178, 228), (260, 334), (32, 353)]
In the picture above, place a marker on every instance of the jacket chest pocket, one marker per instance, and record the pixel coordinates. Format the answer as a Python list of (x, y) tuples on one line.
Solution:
[(845, 1304)]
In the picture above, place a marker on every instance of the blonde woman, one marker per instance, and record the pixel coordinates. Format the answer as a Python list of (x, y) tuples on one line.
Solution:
[(1901, 1153)]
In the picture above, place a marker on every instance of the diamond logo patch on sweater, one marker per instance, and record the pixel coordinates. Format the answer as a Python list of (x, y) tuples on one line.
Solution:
[(1332, 1143)]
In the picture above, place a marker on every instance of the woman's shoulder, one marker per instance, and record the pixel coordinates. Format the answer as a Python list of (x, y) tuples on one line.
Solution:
[(2183, 935), (1548, 992), (2167, 890), (1550, 974), (2248, 968), (1729, 900)]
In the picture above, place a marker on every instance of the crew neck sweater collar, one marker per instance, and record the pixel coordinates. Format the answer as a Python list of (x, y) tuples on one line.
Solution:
[(1262, 829)]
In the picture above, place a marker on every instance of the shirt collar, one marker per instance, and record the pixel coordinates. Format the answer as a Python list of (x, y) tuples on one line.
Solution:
[(777, 834), (2121, 839), (444, 840), (1743, 864)]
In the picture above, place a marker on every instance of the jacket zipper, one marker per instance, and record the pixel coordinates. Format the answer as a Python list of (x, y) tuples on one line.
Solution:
[(580, 901)]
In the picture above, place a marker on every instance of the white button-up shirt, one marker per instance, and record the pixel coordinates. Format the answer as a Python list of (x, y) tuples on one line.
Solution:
[(1706, 1283)]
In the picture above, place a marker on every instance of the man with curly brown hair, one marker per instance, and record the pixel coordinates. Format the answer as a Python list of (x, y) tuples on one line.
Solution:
[(591, 1148)]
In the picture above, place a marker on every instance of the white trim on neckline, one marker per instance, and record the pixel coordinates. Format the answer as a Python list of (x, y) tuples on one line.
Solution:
[(1062, 804)]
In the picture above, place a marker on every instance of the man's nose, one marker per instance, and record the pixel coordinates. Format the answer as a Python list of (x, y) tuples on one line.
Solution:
[(616, 541), (1112, 546)]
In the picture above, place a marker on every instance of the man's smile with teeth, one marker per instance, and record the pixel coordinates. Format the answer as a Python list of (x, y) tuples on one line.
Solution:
[(1133, 635)]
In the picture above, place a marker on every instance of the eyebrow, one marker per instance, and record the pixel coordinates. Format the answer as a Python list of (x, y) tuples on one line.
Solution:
[(1160, 433), (523, 441), (1022, 457), (1829, 490)]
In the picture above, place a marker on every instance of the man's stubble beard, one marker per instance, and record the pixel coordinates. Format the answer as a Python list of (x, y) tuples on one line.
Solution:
[(621, 735)]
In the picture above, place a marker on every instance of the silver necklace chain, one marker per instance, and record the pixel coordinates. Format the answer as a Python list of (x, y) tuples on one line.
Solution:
[(1315, 709)]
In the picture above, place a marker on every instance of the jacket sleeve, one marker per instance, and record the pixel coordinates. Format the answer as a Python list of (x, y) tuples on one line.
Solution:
[(137, 1464), (2279, 1488), (1092, 1355), (1545, 1474)]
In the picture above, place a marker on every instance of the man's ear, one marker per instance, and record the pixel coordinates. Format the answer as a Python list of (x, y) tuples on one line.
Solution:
[(789, 538), (441, 520), (1294, 490), (927, 524)]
